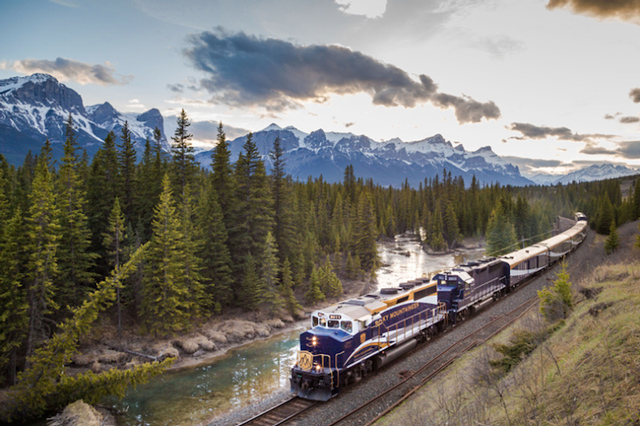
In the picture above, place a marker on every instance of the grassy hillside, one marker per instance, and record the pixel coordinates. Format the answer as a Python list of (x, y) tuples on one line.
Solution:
[(584, 370)]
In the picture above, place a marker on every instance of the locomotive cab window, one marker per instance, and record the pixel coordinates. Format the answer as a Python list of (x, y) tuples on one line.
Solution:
[(314, 321), (347, 326), (334, 324)]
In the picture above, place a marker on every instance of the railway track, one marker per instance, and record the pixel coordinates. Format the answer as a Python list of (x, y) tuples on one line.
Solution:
[(373, 409), (281, 413)]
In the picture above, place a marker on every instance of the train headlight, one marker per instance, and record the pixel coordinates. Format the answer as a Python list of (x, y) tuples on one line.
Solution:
[(318, 367), (314, 341)]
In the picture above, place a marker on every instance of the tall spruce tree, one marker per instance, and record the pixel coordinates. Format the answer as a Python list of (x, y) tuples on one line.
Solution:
[(222, 177), (183, 161), (128, 159), (252, 207), (271, 296), (13, 295), (41, 246), (501, 234), (284, 229), (75, 260), (216, 260), (164, 296), (366, 248), (114, 241), (103, 186), (197, 299)]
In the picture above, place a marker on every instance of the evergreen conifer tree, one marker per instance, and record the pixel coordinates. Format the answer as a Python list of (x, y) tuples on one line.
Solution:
[(314, 294), (612, 242), (284, 228), (13, 294), (42, 241), (222, 177), (164, 296), (217, 271), (286, 290), (127, 160), (366, 248), (183, 162), (501, 234), (253, 207), (114, 240), (75, 260), (271, 296), (197, 299)]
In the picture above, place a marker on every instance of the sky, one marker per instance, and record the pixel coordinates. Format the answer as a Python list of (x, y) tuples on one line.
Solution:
[(551, 85)]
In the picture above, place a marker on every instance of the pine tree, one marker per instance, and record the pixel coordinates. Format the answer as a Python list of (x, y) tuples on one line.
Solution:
[(217, 271), (314, 294), (192, 264), (501, 234), (286, 290), (127, 159), (13, 295), (284, 228), (251, 290), (42, 241), (451, 229), (253, 207), (114, 240), (557, 301), (271, 297), (435, 234), (164, 296), (366, 248), (222, 177), (75, 260), (612, 242), (183, 162), (103, 186)]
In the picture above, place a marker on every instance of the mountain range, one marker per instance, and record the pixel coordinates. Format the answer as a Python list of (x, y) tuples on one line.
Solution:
[(34, 108)]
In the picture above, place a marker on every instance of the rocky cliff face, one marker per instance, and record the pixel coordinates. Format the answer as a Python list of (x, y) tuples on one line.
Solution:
[(35, 108)]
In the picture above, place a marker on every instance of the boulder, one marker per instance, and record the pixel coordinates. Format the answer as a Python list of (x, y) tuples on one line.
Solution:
[(77, 414)]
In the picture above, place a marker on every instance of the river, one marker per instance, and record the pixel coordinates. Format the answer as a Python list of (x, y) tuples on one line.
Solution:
[(251, 372)]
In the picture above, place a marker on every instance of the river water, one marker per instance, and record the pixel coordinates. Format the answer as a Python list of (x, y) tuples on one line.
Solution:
[(252, 372)]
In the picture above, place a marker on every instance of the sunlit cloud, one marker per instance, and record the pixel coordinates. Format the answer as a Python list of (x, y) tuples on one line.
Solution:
[(277, 75), (628, 10), (67, 69)]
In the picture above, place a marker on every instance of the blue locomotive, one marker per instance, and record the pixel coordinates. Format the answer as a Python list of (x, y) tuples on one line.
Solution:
[(353, 337)]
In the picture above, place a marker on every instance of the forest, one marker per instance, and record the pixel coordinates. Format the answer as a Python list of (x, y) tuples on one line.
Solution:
[(157, 243)]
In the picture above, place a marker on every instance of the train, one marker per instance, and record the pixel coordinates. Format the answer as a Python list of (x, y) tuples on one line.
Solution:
[(354, 337)]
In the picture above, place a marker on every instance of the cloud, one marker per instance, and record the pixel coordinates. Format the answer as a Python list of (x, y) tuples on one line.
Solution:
[(368, 8), (531, 131), (278, 75), (612, 116), (629, 150), (593, 149), (622, 9), (634, 94), (67, 69), (178, 88), (629, 119)]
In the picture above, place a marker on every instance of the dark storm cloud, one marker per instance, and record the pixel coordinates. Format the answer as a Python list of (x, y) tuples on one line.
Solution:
[(68, 69), (531, 131), (629, 119), (276, 74), (634, 94), (622, 9)]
